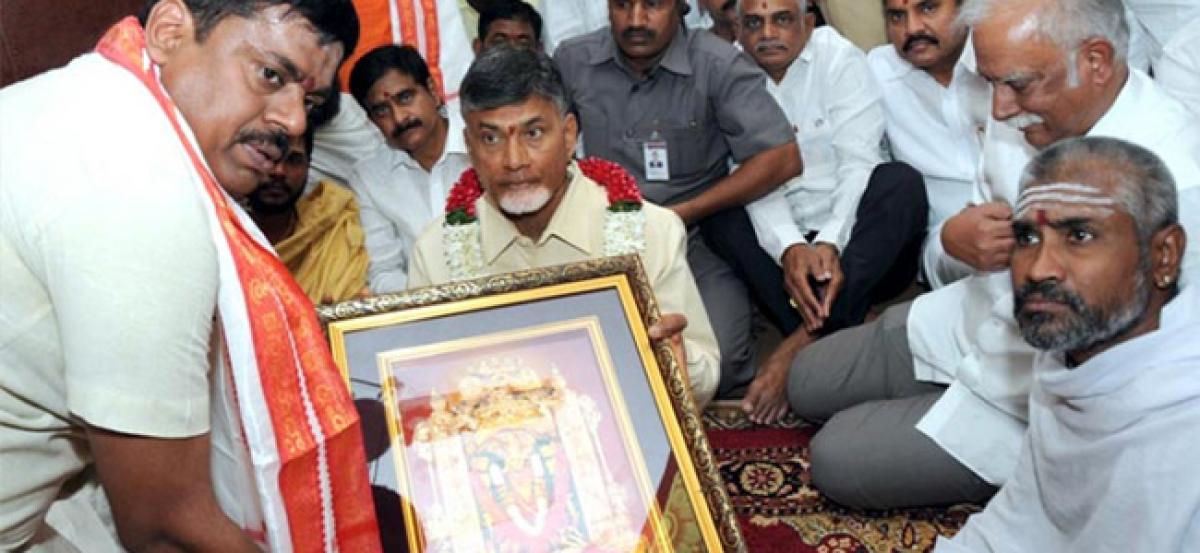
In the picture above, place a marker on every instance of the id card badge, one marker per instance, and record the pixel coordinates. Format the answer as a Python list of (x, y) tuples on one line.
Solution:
[(654, 155)]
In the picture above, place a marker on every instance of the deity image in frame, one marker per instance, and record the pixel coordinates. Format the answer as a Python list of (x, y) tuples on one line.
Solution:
[(565, 351), (519, 441)]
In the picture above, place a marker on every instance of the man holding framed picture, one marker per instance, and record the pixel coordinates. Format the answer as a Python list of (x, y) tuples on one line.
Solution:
[(527, 204)]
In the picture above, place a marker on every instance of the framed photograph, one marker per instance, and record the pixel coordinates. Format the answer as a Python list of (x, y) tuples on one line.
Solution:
[(530, 412)]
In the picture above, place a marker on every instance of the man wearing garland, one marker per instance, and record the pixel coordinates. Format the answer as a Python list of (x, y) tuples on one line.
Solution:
[(540, 208)]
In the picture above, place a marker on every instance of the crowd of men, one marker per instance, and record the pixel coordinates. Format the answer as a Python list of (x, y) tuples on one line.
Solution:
[(1029, 170)]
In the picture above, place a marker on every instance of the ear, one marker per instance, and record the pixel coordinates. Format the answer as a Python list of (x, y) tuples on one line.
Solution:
[(1096, 59), (571, 130), (1166, 255), (168, 27), (477, 46)]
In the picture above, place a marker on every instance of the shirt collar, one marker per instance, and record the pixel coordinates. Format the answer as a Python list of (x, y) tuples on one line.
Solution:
[(900, 67), (574, 221), (455, 143), (1117, 118), (675, 59)]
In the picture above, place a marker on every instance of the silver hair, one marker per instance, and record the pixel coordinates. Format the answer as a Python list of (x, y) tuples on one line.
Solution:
[(1067, 23), (504, 76), (1145, 190), (1145, 187)]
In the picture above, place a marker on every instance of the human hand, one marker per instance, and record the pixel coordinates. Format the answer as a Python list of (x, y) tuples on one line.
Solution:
[(685, 212), (981, 236), (669, 329), (830, 264), (812, 277)]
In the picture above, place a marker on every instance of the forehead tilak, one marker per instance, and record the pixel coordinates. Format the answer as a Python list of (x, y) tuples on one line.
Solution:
[(1066, 193)]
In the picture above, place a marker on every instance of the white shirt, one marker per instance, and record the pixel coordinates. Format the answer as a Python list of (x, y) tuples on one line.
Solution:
[(109, 286), (832, 102), (1109, 462), (933, 128), (964, 334), (1158, 21), (563, 19), (1178, 69), (343, 142), (397, 198)]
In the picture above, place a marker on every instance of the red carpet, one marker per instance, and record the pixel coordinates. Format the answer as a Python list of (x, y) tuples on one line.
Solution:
[(766, 474)]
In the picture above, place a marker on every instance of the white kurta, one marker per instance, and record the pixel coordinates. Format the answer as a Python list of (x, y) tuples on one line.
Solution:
[(1109, 463), (1155, 23), (933, 128), (397, 199), (964, 334), (1178, 69), (832, 102)]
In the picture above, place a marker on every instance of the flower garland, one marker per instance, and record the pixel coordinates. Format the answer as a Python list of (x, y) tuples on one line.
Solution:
[(624, 221)]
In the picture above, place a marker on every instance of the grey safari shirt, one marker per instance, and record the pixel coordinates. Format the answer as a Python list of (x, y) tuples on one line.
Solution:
[(706, 99)]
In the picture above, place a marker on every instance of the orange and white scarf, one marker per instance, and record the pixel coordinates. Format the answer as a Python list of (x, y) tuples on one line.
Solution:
[(417, 23), (299, 428)]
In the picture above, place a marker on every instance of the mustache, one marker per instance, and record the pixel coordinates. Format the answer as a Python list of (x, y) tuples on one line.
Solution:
[(405, 126), (769, 44), (273, 144), (633, 33), (1022, 120), (912, 40), (1047, 290)]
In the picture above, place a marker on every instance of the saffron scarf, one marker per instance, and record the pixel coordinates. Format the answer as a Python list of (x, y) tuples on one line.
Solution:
[(297, 419)]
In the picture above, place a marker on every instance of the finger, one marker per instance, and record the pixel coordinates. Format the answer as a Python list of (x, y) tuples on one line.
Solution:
[(996, 210), (831, 292), (822, 271), (670, 324), (806, 300), (777, 413)]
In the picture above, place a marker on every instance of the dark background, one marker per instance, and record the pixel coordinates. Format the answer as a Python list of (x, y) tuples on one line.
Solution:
[(36, 35)]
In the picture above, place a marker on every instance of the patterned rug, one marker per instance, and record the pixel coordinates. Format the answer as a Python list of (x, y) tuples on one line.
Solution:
[(766, 474)]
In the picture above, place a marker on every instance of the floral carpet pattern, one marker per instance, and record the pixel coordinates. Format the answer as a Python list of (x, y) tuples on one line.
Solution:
[(766, 474)]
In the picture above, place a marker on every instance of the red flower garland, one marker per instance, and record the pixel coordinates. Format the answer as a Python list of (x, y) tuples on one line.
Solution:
[(621, 187)]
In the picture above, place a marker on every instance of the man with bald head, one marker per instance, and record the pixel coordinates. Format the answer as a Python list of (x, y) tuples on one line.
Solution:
[(946, 385), (1108, 463)]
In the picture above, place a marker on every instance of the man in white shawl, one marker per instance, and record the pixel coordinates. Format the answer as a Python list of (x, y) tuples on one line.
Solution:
[(1109, 461)]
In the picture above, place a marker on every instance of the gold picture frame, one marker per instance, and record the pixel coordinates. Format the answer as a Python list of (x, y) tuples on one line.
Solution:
[(470, 373)]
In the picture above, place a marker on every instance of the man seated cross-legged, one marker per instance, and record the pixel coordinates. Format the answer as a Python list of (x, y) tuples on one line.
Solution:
[(1108, 463)]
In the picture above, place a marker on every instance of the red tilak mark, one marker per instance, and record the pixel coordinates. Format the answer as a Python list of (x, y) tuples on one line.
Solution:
[(1042, 221)]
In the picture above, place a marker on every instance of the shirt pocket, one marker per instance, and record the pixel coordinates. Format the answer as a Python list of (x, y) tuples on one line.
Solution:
[(815, 138), (687, 145)]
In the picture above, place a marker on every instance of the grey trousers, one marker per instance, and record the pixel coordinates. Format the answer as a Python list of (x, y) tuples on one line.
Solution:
[(727, 301), (869, 455)]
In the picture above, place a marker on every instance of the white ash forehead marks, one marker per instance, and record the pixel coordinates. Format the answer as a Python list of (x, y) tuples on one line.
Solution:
[(1092, 199)]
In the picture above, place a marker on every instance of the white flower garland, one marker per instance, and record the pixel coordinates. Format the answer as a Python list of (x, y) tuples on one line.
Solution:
[(624, 233)]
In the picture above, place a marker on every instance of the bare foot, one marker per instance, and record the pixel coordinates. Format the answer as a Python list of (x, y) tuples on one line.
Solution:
[(766, 400)]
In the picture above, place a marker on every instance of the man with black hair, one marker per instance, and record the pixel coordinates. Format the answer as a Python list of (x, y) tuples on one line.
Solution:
[(649, 89), (935, 104), (316, 234), (165, 383), (511, 22), (402, 187)]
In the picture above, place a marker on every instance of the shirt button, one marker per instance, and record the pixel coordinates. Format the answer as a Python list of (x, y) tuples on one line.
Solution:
[(628, 133)]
